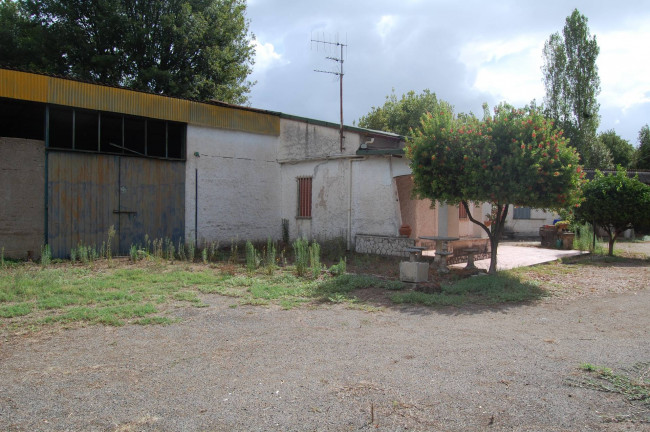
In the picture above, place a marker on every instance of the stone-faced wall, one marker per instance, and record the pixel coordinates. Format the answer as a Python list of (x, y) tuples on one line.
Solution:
[(22, 208), (382, 245)]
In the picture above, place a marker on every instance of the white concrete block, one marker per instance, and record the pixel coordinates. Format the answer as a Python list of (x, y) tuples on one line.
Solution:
[(413, 271)]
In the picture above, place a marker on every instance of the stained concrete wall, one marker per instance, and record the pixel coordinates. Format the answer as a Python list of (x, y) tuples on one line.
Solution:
[(247, 184), (238, 186), (350, 195), (300, 140), (22, 213), (375, 202), (362, 189)]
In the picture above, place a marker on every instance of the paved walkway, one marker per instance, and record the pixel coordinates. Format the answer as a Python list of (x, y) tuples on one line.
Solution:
[(511, 255)]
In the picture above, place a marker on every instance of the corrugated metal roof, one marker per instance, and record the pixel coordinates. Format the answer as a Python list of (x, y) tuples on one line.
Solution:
[(46, 89)]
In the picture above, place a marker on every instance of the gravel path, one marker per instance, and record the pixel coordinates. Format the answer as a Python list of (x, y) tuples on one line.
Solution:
[(329, 368)]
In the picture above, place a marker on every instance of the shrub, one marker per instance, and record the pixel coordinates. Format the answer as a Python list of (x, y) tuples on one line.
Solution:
[(301, 254), (338, 269), (314, 259), (270, 257), (252, 257), (46, 255)]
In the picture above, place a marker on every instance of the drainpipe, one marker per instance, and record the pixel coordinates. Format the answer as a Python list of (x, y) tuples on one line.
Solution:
[(196, 200)]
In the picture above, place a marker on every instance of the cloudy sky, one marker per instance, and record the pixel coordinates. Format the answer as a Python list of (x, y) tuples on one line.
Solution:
[(467, 52)]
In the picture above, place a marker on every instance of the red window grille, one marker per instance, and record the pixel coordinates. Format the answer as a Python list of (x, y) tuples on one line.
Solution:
[(304, 197), (462, 213)]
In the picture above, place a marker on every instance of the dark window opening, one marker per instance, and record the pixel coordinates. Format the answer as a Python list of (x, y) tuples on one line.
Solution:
[(85, 130), (462, 213), (60, 128), (521, 213), (156, 138), (111, 133), (134, 135), (175, 140), (19, 119), (86, 127)]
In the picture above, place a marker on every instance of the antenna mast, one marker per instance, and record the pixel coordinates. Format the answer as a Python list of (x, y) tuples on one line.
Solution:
[(339, 60)]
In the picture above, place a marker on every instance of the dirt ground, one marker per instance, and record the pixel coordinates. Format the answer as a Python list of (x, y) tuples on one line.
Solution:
[(331, 368)]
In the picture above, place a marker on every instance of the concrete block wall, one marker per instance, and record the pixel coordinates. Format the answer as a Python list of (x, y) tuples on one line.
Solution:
[(22, 195), (383, 245), (239, 196)]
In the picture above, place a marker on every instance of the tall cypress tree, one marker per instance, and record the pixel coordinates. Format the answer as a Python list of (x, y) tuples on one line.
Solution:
[(572, 85)]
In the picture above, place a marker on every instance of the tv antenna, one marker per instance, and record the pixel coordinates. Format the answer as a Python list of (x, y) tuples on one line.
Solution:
[(325, 44)]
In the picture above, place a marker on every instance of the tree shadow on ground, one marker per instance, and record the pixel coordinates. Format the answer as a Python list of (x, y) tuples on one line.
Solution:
[(458, 294), (608, 261)]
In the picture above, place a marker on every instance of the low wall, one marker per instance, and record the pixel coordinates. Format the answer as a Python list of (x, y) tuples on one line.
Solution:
[(382, 245)]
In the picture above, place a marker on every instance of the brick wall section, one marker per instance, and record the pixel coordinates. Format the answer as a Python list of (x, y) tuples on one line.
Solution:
[(382, 245), (22, 194)]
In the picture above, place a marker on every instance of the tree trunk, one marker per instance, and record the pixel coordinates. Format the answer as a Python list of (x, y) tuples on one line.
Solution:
[(494, 233), (494, 244)]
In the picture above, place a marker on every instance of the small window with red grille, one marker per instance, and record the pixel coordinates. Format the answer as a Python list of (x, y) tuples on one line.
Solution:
[(304, 197)]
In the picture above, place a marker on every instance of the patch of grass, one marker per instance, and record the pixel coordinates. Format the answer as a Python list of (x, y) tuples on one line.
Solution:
[(424, 299), (111, 315), (493, 289), (632, 383), (15, 310), (67, 293), (155, 320)]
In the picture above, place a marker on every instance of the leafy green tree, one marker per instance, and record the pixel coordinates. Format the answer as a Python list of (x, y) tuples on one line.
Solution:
[(642, 156), (615, 202), (572, 84), (196, 49), (600, 155), (515, 157), (621, 150), (21, 41), (401, 116)]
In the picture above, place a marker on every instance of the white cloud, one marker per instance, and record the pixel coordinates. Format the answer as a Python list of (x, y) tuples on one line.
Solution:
[(385, 25), (507, 69), (624, 67), (266, 57)]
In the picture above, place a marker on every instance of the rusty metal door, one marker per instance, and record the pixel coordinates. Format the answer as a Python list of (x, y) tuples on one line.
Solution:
[(152, 201), (89, 193)]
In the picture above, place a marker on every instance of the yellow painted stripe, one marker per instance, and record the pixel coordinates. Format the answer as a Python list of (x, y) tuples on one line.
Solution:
[(42, 88)]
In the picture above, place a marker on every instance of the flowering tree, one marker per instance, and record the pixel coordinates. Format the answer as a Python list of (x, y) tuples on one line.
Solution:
[(616, 203), (515, 157)]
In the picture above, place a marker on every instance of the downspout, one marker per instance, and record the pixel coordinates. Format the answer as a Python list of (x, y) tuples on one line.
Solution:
[(196, 199)]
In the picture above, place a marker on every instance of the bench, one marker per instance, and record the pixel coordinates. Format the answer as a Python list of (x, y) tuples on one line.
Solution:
[(442, 265), (414, 252), (470, 258)]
